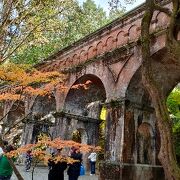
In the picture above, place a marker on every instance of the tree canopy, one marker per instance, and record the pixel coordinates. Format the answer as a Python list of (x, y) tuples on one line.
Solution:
[(74, 22), (173, 103), (166, 155), (23, 23)]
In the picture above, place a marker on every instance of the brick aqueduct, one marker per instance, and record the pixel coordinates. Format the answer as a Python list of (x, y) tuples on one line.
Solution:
[(111, 59)]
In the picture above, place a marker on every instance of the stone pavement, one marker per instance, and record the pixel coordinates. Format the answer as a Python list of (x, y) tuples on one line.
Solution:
[(41, 173)]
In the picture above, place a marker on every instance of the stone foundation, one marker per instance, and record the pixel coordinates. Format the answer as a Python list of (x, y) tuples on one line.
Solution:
[(114, 171)]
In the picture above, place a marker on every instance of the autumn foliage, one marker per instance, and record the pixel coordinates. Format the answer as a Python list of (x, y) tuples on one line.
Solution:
[(41, 150), (20, 81)]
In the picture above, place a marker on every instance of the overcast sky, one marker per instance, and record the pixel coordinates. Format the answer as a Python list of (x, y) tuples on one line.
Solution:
[(104, 4)]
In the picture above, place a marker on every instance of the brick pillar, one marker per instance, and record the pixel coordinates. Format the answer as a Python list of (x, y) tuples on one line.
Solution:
[(114, 131), (114, 137)]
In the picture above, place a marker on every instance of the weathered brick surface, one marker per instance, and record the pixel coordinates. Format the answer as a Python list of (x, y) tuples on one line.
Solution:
[(116, 171)]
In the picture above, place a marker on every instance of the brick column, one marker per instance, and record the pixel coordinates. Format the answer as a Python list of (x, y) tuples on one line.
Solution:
[(114, 137), (114, 131)]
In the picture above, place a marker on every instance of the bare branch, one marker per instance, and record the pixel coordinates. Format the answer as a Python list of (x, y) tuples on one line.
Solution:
[(7, 12)]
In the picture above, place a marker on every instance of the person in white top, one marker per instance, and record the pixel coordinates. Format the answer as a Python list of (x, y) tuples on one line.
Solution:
[(92, 157), (1, 151)]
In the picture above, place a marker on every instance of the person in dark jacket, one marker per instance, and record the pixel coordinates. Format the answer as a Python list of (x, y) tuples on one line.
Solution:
[(56, 170), (28, 160), (74, 168)]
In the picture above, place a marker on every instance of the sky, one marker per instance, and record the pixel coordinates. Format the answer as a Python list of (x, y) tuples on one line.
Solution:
[(104, 4)]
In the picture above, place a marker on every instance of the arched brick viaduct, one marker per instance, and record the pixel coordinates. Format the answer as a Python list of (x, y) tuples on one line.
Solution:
[(111, 59)]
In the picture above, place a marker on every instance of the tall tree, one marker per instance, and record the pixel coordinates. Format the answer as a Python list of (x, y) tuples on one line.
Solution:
[(166, 155), (19, 82), (23, 22), (77, 22)]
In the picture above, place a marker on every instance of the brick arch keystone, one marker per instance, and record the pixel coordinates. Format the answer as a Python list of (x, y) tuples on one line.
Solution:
[(91, 52), (121, 38), (110, 43), (100, 47), (133, 32)]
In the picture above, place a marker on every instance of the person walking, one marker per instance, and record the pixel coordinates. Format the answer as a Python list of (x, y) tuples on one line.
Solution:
[(92, 158), (28, 160), (6, 170), (56, 170), (74, 168)]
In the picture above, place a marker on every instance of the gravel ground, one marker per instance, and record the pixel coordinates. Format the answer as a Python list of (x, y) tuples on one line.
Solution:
[(41, 173)]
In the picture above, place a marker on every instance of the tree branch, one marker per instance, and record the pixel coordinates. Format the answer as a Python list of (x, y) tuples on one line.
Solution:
[(25, 38), (7, 12), (163, 9)]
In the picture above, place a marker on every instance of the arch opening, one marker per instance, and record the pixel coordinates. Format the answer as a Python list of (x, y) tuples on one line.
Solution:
[(39, 121), (140, 135), (173, 105), (80, 100), (86, 102)]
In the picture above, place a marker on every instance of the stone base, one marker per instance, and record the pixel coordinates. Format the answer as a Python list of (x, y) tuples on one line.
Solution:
[(115, 171)]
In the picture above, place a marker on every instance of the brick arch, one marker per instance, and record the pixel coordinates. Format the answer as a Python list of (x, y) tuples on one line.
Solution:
[(85, 103), (69, 61), (136, 122), (100, 47), (121, 38), (110, 43), (83, 56), (62, 63), (91, 52), (135, 90), (162, 19), (78, 97), (169, 76), (133, 32), (75, 59)]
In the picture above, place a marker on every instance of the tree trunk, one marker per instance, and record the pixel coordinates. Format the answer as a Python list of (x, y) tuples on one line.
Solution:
[(16, 171), (166, 155)]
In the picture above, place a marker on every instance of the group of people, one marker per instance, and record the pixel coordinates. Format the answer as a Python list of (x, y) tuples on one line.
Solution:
[(56, 170)]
